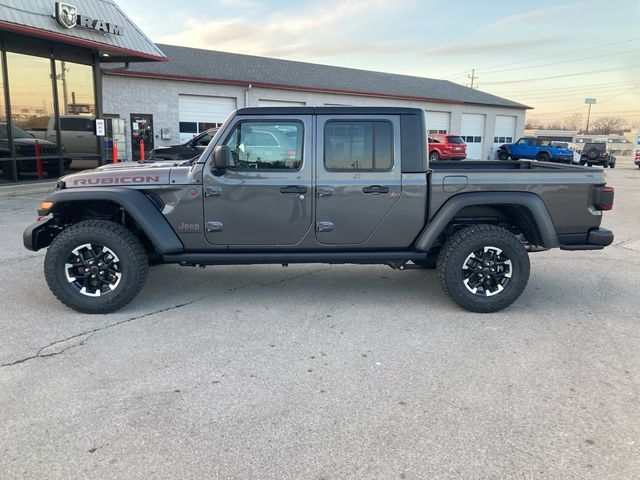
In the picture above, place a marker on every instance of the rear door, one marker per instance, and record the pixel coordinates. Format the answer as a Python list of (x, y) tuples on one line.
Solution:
[(358, 176), (266, 198)]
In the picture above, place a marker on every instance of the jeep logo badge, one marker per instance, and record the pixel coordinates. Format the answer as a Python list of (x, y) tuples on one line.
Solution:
[(67, 15)]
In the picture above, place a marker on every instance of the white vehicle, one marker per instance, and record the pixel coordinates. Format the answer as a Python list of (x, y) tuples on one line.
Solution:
[(571, 146), (77, 134)]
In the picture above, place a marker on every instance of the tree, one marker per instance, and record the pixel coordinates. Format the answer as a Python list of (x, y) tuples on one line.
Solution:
[(607, 125), (532, 124), (573, 122)]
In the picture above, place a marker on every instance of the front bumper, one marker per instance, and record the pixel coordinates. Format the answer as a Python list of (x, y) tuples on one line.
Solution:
[(40, 234), (597, 239)]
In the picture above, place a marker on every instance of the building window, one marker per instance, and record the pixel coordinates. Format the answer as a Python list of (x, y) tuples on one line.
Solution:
[(358, 145)]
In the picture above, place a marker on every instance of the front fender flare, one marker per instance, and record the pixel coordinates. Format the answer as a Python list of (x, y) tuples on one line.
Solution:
[(136, 204), (448, 211)]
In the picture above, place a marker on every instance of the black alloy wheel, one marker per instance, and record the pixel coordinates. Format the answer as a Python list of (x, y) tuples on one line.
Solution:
[(483, 268), (96, 266)]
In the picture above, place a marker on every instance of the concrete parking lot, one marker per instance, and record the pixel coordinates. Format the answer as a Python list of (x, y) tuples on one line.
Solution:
[(326, 372)]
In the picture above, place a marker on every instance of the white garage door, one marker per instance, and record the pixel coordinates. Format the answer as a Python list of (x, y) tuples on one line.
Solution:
[(505, 131), (279, 103), (472, 132), (438, 122), (199, 113)]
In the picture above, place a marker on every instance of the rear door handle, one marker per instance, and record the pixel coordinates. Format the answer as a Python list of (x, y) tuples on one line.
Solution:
[(297, 189), (375, 190)]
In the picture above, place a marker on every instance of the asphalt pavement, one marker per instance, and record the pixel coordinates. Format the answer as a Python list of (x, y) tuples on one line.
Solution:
[(326, 372)]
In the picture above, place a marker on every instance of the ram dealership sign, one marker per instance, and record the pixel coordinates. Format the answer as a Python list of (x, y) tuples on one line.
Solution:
[(67, 16)]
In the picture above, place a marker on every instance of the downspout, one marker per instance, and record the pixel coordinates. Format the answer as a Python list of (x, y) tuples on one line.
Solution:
[(246, 96)]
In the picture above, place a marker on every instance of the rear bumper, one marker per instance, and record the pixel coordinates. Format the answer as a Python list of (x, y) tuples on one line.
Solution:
[(597, 239)]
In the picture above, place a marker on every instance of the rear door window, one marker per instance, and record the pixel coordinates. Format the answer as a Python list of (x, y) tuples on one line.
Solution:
[(358, 145)]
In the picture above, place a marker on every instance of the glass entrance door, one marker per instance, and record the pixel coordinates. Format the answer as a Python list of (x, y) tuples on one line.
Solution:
[(141, 134)]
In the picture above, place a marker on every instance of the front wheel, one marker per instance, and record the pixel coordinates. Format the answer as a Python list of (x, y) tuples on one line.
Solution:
[(503, 155), (95, 266), (483, 268)]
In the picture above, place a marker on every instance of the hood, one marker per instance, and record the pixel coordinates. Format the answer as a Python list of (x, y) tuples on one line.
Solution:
[(122, 174)]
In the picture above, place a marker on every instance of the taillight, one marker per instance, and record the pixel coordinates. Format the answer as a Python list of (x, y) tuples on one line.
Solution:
[(603, 198)]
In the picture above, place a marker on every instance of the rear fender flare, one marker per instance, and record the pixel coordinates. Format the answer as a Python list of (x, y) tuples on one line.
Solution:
[(136, 204), (448, 211)]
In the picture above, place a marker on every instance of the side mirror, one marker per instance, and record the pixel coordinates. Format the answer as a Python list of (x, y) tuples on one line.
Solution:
[(222, 157)]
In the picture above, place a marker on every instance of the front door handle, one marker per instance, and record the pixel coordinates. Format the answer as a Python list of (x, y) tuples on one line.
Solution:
[(297, 189), (375, 190)]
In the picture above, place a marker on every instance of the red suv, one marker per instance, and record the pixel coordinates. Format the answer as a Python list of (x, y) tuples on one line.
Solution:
[(446, 147)]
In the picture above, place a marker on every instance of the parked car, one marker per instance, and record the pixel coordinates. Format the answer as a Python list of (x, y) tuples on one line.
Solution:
[(77, 134), (571, 146), (637, 161), (446, 147), (344, 194), (534, 149), (597, 154), (184, 151), (25, 146)]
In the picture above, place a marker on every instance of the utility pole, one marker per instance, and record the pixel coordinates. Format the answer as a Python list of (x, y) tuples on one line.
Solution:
[(473, 78), (589, 101)]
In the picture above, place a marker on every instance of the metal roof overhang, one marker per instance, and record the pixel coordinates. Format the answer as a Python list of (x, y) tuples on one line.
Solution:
[(108, 53)]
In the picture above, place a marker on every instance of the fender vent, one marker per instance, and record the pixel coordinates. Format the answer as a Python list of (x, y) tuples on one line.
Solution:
[(157, 201)]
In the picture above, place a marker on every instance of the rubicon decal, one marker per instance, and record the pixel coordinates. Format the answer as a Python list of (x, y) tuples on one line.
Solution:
[(117, 180)]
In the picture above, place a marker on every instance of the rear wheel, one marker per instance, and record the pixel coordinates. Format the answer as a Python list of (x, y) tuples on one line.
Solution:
[(434, 156), (483, 268), (96, 266), (542, 157)]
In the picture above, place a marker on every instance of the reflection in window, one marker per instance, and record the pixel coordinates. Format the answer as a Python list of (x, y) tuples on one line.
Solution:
[(266, 145), (358, 145), (5, 165), (31, 95), (76, 103)]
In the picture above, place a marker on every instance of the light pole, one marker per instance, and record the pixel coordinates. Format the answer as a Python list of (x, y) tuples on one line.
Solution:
[(589, 101)]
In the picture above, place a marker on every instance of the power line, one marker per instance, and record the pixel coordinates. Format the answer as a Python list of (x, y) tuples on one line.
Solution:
[(493, 67), (577, 74), (572, 87), (562, 54), (559, 63)]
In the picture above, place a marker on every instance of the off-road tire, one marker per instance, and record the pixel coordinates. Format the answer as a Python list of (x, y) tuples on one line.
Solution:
[(592, 153), (458, 250), (132, 264), (543, 157), (503, 155)]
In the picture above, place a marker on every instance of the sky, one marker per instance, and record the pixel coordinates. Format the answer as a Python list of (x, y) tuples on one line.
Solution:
[(549, 55)]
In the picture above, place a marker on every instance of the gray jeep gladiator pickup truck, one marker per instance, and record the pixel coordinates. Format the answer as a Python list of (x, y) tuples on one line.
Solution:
[(285, 185)]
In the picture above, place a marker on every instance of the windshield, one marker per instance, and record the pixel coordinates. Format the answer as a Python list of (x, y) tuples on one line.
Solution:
[(15, 132)]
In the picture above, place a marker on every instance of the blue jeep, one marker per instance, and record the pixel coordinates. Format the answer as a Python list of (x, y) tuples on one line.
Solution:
[(535, 148)]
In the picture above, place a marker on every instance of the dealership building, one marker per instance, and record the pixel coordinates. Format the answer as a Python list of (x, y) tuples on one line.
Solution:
[(80, 79)]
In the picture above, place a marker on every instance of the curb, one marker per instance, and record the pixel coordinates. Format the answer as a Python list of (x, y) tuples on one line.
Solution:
[(10, 191)]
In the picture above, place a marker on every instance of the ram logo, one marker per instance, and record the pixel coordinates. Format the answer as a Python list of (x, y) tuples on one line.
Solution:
[(67, 15)]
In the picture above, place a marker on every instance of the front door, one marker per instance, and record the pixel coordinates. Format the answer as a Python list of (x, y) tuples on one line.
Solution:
[(141, 131), (358, 176), (266, 198)]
